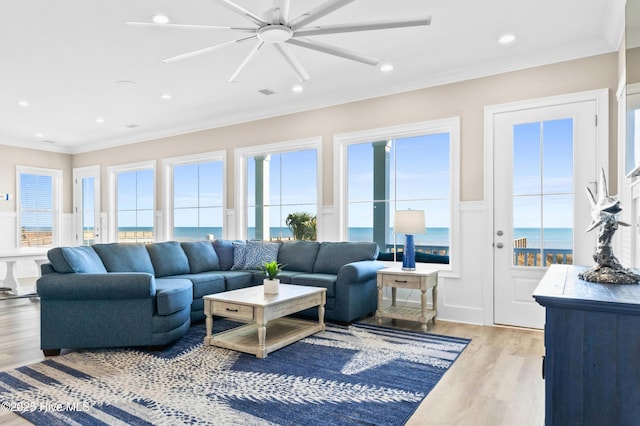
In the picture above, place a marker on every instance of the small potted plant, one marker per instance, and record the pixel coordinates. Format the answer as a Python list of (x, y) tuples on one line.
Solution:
[(271, 283)]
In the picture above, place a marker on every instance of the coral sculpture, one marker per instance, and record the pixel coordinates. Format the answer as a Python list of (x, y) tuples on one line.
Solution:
[(604, 216)]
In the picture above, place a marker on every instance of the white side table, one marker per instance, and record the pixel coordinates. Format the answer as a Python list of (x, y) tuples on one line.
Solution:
[(418, 280)]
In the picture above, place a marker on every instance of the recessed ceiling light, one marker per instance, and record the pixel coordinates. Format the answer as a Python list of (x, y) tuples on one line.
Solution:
[(385, 67), (126, 83), (297, 88), (506, 39), (100, 120), (160, 19), (23, 103), (166, 96)]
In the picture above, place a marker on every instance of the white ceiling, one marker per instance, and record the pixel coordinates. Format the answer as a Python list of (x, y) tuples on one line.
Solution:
[(65, 56)]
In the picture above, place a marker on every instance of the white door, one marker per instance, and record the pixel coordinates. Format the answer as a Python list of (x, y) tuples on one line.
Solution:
[(544, 158), (86, 209)]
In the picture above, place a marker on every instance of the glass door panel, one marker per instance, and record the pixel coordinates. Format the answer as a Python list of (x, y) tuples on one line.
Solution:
[(543, 193)]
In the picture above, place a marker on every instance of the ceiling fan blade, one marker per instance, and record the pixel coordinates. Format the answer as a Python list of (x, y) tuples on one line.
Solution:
[(187, 26), (288, 55), (206, 50), (281, 11), (318, 12), (348, 28), (246, 61), (242, 11), (336, 51)]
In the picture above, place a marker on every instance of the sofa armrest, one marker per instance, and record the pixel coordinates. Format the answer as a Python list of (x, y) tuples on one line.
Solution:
[(356, 272), (114, 285)]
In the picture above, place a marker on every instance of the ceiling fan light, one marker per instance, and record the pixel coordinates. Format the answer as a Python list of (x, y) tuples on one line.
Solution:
[(507, 38), (274, 33), (385, 66), (160, 19)]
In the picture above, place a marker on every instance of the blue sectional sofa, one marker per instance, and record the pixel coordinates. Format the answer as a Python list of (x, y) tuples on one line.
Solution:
[(126, 294)]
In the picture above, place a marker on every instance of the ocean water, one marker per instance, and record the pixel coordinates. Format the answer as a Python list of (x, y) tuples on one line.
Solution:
[(553, 237)]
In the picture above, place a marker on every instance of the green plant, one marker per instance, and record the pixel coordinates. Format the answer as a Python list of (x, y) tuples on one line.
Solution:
[(272, 269), (303, 225)]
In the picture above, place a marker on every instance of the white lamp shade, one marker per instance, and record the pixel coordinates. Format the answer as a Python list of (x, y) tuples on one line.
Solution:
[(409, 222)]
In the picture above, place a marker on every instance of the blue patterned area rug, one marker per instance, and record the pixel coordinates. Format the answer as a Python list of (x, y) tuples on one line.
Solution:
[(359, 374)]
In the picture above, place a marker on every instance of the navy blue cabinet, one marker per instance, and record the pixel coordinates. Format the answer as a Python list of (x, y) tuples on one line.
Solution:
[(592, 350)]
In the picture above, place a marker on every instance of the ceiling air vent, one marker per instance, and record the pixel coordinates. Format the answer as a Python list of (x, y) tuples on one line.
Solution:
[(266, 92), (132, 125)]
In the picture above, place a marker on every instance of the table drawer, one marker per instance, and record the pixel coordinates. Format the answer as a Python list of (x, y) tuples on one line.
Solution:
[(232, 310), (401, 281)]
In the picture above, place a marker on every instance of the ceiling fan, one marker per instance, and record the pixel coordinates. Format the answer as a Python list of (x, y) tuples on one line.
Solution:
[(276, 28)]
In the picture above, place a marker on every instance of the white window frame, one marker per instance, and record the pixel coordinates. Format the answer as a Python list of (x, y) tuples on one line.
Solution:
[(56, 193), (450, 125), (168, 165), (80, 173), (112, 173), (241, 155)]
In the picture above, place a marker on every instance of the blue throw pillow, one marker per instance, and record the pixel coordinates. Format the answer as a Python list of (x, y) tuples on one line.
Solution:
[(239, 254), (259, 252)]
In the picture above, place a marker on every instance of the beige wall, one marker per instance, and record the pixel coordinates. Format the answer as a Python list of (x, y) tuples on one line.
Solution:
[(465, 99), (10, 157)]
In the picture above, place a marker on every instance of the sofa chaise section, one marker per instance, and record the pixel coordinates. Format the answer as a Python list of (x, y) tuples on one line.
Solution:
[(86, 304)]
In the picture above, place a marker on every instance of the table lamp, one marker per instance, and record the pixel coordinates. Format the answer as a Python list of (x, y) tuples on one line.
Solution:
[(409, 222)]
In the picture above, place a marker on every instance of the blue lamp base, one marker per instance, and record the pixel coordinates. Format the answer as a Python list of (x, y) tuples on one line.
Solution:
[(409, 258)]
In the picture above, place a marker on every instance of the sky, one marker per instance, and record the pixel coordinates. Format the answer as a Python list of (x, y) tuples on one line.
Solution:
[(543, 174)]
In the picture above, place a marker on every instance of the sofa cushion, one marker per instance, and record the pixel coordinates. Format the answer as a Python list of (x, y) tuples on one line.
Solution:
[(332, 256), (204, 283), (125, 257), (298, 255), (168, 258), (327, 281), (283, 276), (173, 295), (202, 257), (259, 252), (239, 254), (234, 280), (82, 259), (224, 250)]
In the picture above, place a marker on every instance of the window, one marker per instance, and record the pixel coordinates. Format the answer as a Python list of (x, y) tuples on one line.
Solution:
[(196, 199), (543, 199), (279, 182), (86, 202), (38, 206), (133, 198), (406, 167)]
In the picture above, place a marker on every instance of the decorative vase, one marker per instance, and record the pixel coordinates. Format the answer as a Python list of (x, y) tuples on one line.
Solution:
[(271, 286)]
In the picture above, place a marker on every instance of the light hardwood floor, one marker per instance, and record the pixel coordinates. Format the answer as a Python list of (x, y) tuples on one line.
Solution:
[(496, 381)]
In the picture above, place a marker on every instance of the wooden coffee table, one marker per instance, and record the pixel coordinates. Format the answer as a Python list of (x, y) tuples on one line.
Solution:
[(268, 328)]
